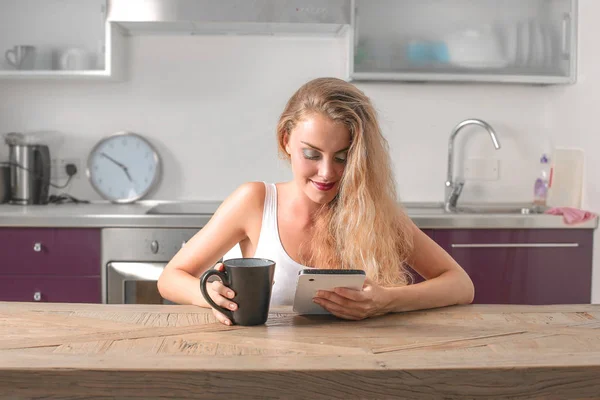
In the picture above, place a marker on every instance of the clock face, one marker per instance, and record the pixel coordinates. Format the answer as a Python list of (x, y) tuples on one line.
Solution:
[(123, 168)]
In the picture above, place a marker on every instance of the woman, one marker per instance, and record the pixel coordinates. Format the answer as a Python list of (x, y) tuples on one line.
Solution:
[(339, 211)]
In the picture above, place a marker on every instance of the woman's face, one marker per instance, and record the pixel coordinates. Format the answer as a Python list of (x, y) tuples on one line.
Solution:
[(318, 148)]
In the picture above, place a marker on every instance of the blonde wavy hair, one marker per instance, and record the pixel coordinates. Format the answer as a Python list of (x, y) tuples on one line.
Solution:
[(363, 227)]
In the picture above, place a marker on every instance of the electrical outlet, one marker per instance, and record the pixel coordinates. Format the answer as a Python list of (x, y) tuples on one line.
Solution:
[(482, 169), (58, 168)]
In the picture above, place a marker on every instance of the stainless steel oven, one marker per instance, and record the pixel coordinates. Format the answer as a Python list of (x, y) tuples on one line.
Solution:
[(133, 259)]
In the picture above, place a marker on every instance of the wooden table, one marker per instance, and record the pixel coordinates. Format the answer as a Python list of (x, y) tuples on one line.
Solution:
[(143, 351)]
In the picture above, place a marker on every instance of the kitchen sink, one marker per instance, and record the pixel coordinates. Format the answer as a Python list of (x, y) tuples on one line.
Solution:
[(525, 210), (475, 208)]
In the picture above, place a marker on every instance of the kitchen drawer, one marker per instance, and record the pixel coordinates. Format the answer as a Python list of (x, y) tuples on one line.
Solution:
[(478, 238), (53, 289), (50, 251), (524, 266)]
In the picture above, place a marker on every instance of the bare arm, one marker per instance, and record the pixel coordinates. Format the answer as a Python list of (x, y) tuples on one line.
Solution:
[(447, 283), (179, 282)]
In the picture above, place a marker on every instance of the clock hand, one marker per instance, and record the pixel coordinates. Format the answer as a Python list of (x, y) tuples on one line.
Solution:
[(127, 173), (119, 164), (113, 160)]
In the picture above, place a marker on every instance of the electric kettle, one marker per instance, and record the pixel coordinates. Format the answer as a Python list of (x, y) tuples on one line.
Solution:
[(29, 170)]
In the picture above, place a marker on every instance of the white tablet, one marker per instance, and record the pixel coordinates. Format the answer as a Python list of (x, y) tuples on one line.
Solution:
[(311, 280)]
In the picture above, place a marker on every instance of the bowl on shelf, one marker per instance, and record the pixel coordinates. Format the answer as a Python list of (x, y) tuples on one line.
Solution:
[(475, 48)]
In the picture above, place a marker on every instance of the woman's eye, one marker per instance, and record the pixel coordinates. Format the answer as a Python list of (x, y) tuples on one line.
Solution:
[(341, 159), (311, 154)]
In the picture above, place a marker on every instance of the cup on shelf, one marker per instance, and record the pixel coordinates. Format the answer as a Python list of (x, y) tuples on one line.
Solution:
[(74, 59), (21, 57)]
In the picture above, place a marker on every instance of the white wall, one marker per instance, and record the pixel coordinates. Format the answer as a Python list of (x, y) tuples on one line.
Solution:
[(210, 105)]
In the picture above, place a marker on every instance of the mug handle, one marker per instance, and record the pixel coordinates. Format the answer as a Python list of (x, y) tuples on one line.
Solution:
[(204, 280), (14, 54)]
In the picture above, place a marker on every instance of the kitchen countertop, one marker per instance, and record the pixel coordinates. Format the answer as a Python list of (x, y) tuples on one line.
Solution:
[(150, 351), (103, 215)]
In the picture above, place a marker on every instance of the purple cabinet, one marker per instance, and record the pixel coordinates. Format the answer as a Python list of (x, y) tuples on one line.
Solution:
[(50, 251), (50, 264), (54, 289), (524, 266)]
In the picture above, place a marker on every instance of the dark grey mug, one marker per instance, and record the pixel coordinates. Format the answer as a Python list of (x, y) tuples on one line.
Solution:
[(251, 279)]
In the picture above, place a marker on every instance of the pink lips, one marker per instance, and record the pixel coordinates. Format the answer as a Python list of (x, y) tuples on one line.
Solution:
[(323, 186)]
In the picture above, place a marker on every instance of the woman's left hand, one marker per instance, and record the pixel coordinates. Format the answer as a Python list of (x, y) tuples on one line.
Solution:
[(352, 304)]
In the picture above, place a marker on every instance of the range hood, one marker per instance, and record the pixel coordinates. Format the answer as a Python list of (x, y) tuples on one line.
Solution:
[(231, 17)]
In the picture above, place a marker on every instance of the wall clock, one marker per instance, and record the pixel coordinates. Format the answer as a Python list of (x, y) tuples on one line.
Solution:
[(123, 167)]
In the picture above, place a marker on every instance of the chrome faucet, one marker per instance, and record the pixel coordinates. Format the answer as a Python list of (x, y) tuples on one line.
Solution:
[(453, 189)]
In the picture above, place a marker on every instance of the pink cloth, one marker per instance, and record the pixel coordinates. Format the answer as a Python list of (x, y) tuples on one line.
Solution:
[(571, 215)]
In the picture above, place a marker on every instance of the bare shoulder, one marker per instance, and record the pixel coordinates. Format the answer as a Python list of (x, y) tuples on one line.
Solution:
[(250, 195), (247, 199), (251, 190)]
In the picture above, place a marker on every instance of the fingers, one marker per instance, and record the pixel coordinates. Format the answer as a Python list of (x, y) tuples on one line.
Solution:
[(356, 295), (221, 318), (221, 295), (343, 306), (339, 311), (218, 286), (222, 290), (336, 298)]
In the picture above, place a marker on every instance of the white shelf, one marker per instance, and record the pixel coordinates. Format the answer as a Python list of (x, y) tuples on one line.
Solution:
[(525, 41), (40, 74), (55, 25), (467, 77)]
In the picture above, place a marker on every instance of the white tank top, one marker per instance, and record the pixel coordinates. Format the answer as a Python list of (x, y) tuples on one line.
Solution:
[(270, 247)]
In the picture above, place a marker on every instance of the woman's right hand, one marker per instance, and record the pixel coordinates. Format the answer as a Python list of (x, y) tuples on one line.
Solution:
[(222, 296)]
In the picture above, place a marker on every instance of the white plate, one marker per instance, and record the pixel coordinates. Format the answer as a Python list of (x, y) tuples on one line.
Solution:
[(509, 33), (523, 43), (548, 46)]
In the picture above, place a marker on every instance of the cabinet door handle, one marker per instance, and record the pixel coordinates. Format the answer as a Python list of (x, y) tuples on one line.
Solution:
[(37, 247), (510, 245), (37, 296)]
